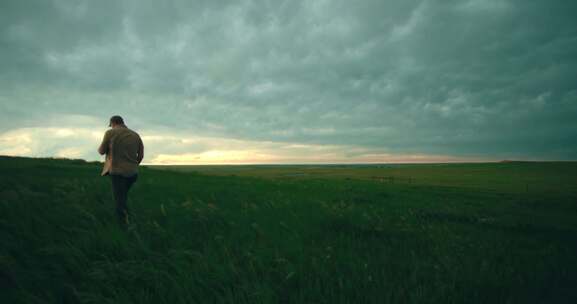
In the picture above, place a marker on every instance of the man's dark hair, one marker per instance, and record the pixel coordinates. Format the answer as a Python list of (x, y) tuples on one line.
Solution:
[(116, 119)]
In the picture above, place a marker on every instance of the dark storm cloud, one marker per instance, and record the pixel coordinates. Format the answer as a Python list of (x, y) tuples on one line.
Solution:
[(491, 79)]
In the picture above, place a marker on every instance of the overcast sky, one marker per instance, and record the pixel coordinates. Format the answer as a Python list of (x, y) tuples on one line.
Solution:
[(292, 81)]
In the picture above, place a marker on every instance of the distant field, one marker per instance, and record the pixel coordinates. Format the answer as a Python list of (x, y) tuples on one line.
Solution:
[(459, 233), (554, 177)]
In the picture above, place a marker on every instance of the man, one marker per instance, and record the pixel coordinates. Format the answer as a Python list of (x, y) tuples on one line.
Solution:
[(124, 152)]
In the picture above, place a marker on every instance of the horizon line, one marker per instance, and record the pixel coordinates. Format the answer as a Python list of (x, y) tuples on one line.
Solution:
[(303, 163)]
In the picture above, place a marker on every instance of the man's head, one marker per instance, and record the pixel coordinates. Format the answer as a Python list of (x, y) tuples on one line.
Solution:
[(115, 121)]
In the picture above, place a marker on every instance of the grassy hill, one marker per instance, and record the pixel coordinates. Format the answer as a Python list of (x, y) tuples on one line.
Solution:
[(453, 234)]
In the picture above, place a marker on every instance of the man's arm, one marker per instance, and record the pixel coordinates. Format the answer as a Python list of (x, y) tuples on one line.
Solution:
[(140, 150), (103, 149)]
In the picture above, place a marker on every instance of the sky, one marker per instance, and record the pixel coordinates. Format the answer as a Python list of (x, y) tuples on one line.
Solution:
[(312, 81)]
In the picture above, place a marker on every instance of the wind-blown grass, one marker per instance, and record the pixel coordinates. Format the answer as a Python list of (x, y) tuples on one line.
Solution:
[(229, 239)]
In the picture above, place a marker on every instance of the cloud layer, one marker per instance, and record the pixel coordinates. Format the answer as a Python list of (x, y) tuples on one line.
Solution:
[(477, 79)]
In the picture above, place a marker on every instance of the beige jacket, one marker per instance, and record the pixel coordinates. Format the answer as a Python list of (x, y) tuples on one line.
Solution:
[(124, 151)]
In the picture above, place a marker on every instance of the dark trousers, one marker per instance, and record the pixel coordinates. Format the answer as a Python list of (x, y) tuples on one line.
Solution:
[(120, 187)]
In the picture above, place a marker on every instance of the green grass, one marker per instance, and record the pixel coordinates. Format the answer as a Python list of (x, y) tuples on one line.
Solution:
[(469, 233)]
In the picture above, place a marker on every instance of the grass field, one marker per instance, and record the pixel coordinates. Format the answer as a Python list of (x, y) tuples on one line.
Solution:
[(459, 233)]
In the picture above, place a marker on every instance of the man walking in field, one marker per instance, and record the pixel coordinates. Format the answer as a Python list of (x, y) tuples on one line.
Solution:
[(124, 151)]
